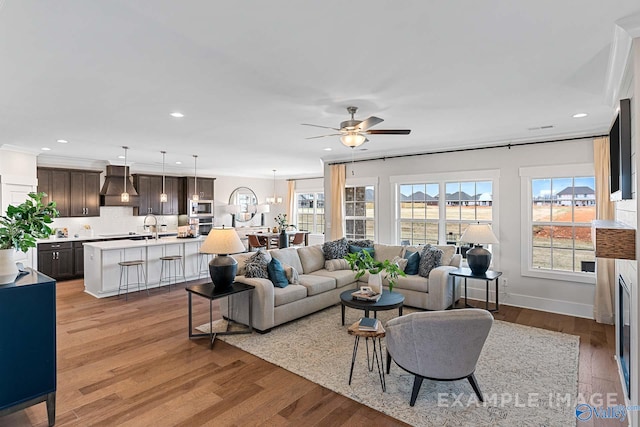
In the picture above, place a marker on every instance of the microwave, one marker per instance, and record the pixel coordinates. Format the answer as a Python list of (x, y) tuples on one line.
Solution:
[(200, 208)]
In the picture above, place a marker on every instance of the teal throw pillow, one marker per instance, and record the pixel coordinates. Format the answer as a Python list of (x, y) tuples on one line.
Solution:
[(413, 262), (355, 249), (277, 274)]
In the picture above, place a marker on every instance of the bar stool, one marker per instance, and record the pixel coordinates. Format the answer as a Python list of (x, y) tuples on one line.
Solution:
[(204, 258), (174, 261), (124, 274)]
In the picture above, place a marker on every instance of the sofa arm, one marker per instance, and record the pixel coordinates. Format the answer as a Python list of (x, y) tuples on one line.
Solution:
[(263, 304), (456, 261), (440, 288)]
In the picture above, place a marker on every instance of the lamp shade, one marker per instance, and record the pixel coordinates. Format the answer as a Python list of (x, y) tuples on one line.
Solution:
[(263, 208), (222, 241), (478, 258), (353, 139), (478, 233)]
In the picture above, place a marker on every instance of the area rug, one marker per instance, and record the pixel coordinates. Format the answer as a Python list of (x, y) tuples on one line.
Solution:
[(529, 376)]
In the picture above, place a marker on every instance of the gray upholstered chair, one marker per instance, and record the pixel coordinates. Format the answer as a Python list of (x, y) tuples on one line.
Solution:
[(438, 345)]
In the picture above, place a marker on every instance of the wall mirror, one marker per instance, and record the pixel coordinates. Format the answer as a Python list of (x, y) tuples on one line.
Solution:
[(245, 203)]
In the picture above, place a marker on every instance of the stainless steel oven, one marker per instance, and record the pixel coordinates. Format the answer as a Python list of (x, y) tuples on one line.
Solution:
[(205, 225), (200, 208)]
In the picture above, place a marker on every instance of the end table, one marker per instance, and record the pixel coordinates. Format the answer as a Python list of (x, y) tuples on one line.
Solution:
[(488, 277)]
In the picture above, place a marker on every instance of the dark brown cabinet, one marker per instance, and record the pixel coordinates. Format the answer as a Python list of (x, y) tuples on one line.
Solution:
[(149, 188), (172, 186), (204, 190), (56, 260), (85, 193), (55, 182), (78, 259)]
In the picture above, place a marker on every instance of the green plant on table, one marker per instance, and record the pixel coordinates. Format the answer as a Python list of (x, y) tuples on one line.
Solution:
[(362, 261), (25, 223)]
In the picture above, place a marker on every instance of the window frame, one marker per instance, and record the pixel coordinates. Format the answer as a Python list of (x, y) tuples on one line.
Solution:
[(363, 182), (442, 179), (527, 175), (315, 209)]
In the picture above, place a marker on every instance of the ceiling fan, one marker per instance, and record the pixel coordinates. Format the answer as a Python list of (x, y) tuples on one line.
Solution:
[(352, 132)]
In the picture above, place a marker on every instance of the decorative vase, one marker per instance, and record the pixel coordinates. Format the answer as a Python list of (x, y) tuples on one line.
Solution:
[(283, 239), (375, 282), (8, 268)]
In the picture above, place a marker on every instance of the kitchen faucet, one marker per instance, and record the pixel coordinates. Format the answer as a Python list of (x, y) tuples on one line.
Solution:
[(153, 226)]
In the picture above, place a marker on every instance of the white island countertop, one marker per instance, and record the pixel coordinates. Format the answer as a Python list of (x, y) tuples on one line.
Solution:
[(127, 243)]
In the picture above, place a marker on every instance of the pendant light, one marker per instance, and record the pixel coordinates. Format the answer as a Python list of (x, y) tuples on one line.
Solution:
[(124, 197), (195, 178), (163, 195), (274, 199)]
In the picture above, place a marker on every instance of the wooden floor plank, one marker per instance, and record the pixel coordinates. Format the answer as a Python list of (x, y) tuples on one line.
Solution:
[(131, 364)]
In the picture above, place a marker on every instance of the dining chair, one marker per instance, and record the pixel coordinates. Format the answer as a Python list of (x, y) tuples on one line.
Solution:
[(257, 242), (297, 240)]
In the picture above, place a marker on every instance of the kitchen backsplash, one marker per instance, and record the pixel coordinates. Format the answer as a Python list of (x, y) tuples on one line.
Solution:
[(112, 219)]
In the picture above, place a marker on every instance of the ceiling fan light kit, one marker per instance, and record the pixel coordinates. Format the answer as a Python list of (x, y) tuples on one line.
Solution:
[(352, 131)]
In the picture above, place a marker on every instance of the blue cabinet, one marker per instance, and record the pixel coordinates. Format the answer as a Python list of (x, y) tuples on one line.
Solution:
[(28, 344)]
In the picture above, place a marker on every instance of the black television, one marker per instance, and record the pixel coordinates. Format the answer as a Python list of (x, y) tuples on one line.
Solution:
[(620, 153)]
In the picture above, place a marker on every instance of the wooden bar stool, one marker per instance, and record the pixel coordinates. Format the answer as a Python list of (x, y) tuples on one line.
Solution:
[(124, 276), (174, 261)]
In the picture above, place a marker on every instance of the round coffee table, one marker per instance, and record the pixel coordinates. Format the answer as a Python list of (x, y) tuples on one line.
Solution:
[(388, 301)]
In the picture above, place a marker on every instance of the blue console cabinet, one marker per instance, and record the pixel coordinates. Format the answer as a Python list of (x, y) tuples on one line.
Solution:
[(28, 344)]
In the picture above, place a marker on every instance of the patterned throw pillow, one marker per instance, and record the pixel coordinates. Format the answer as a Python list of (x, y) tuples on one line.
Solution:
[(256, 266), (335, 249), (413, 262), (362, 243), (430, 258)]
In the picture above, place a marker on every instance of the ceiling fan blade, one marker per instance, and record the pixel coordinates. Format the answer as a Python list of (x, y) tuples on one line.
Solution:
[(369, 122), (318, 126), (323, 136), (389, 132)]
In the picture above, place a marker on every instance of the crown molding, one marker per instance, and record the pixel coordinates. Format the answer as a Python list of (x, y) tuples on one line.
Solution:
[(626, 29), (17, 149)]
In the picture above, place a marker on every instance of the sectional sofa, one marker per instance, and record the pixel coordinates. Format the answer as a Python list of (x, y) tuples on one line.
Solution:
[(313, 287)]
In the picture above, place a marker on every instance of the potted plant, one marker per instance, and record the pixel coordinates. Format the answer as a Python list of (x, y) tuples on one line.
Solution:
[(283, 239), (362, 261), (20, 228)]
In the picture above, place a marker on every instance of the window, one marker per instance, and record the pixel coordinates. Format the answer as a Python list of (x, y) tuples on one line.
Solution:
[(425, 217), (561, 213), (558, 205), (359, 212), (310, 212), (419, 213)]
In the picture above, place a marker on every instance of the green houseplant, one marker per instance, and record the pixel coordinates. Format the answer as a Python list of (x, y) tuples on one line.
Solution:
[(362, 261), (19, 229)]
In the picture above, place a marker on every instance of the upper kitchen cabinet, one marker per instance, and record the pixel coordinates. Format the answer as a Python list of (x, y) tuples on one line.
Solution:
[(205, 188), (173, 187), (149, 188), (85, 193), (55, 182)]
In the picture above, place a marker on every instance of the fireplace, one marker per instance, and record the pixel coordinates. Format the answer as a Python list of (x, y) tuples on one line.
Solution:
[(623, 326)]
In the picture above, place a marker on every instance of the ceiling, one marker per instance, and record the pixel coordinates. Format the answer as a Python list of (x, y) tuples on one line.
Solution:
[(103, 74)]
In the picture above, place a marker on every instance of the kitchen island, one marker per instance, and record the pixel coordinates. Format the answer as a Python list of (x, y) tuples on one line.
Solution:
[(102, 272)]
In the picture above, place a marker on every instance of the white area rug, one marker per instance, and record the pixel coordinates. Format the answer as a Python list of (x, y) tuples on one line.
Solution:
[(529, 376)]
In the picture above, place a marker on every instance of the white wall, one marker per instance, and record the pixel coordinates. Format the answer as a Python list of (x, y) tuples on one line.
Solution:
[(550, 295)]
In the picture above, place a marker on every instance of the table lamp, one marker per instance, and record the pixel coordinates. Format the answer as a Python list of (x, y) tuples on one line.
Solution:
[(222, 268), (478, 257)]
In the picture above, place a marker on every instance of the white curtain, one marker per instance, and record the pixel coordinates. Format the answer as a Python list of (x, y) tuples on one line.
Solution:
[(290, 200), (338, 179), (603, 305)]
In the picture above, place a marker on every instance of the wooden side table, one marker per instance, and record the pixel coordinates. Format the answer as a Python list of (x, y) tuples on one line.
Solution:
[(376, 336), (488, 277)]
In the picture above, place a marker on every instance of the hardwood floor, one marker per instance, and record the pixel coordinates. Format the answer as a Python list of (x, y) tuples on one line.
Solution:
[(131, 364)]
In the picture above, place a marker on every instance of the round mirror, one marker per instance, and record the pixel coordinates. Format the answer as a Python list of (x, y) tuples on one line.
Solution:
[(244, 202)]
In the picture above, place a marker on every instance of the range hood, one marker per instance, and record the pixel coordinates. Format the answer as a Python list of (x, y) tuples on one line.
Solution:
[(114, 185)]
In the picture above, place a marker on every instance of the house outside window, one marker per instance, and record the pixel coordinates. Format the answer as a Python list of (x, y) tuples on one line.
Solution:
[(558, 205), (467, 202), (419, 213), (360, 212), (310, 212)]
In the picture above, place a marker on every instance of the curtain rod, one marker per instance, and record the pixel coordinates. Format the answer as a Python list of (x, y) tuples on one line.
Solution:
[(459, 150), (303, 179)]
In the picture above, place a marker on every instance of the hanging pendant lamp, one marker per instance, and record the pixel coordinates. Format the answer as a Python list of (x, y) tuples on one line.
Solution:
[(195, 178), (124, 197), (163, 195), (274, 199)]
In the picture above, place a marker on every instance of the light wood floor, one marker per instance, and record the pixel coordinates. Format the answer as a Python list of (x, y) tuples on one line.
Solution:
[(132, 364)]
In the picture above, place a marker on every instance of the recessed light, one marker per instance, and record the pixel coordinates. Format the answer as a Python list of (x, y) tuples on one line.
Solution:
[(178, 162), (121, 157), (328, 149), (62, 141), (177, 115), (46, 149), (579, 115)]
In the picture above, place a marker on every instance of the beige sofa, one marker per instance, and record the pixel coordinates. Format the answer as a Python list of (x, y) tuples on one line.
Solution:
[(318, 288)]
